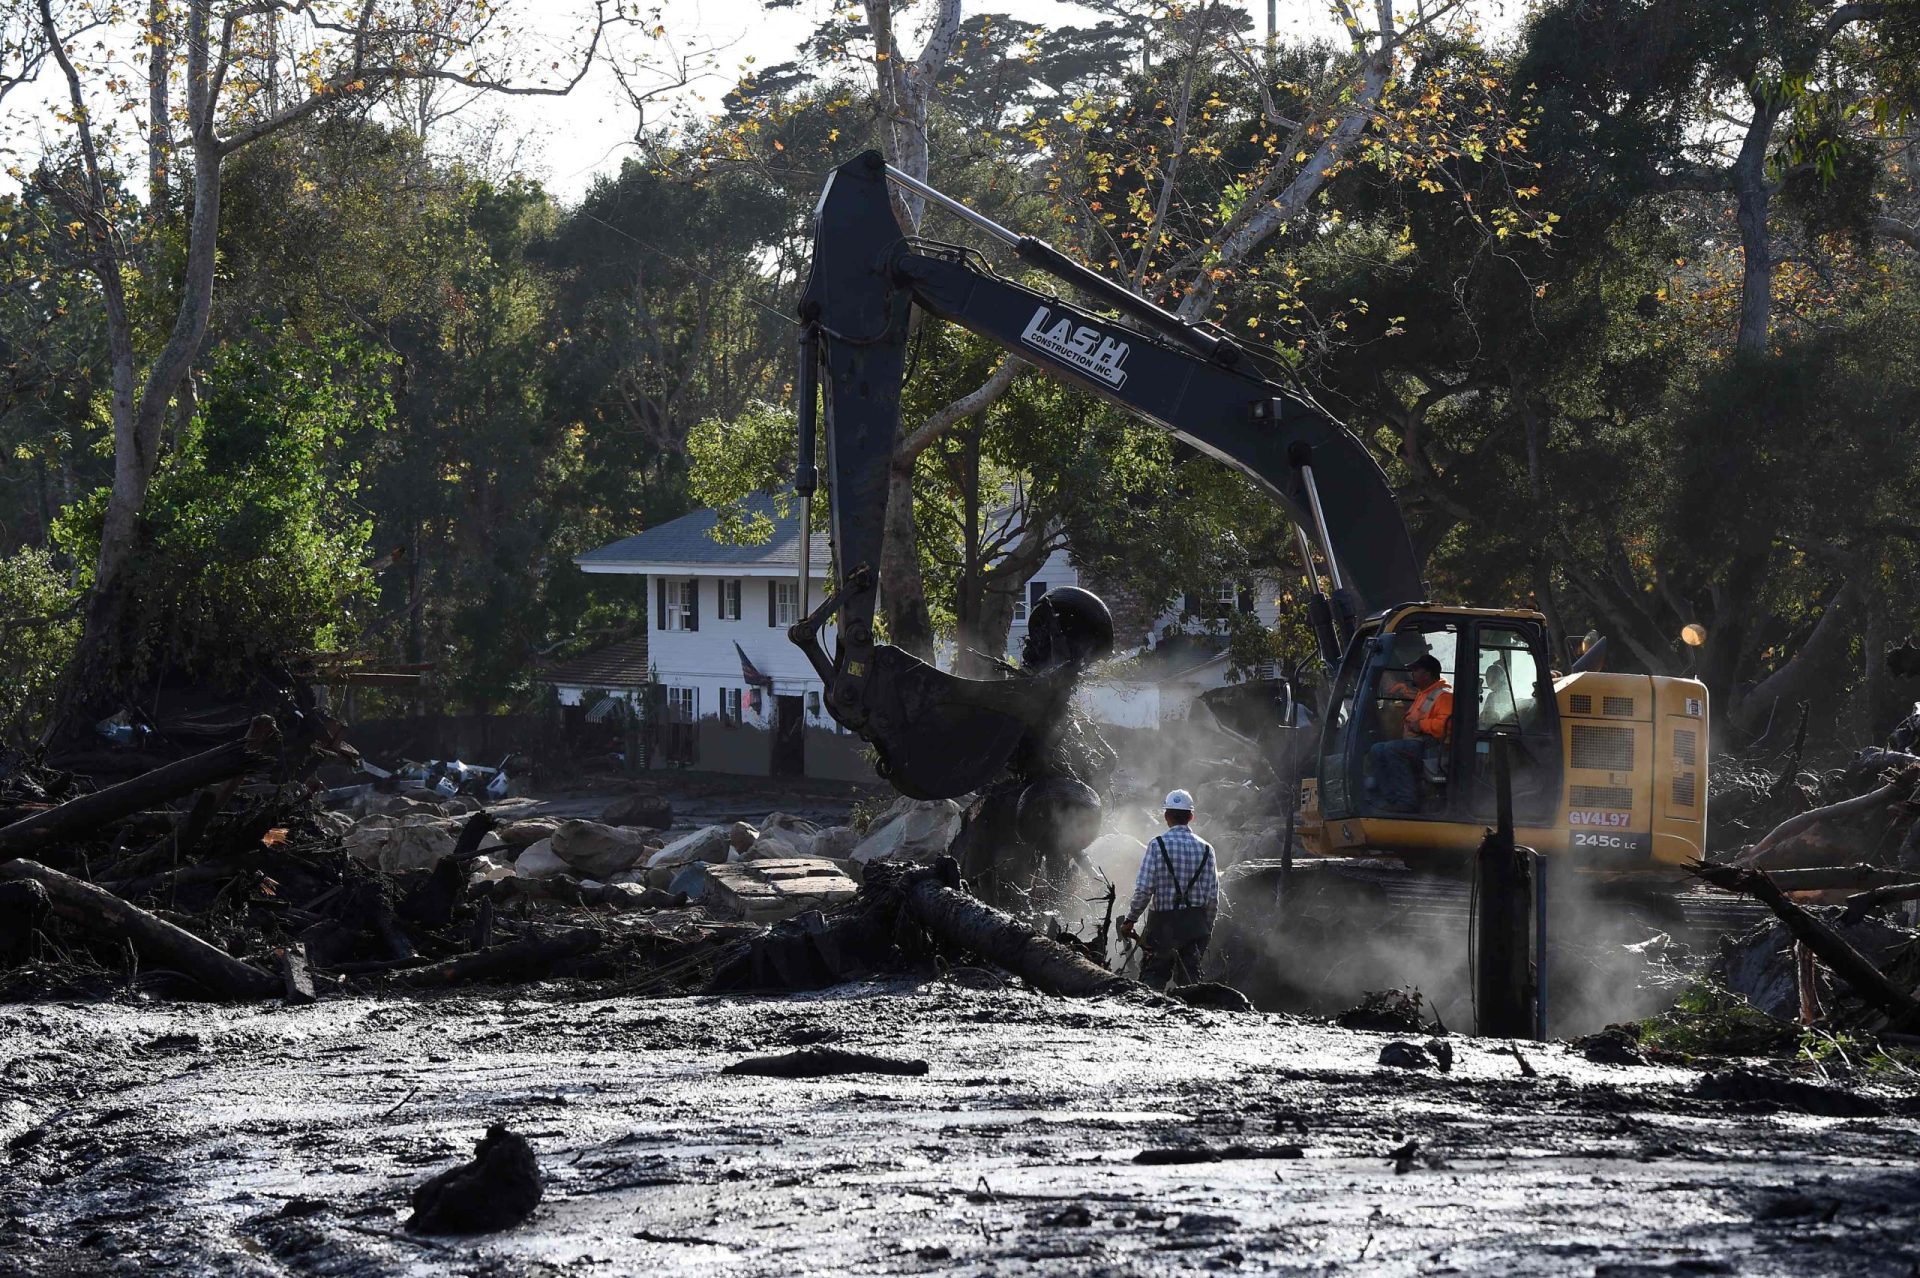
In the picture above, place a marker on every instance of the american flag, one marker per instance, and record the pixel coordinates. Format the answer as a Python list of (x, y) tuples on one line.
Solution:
[(750, 672)]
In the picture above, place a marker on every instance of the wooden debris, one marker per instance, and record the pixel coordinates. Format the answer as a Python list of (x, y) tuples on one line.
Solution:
[(1824, 878), (1860, 902), (159, 942), (519, 961), (1826, 835), (958, 920), (1868, 981), (91, 811), (295, 976)]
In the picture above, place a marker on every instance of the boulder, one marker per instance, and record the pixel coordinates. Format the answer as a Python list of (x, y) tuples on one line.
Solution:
[(781, 823), (710, 844), (1118, 856), (892, 812), (538, 862), (836, 842), (919, 832), (742, 837), (597, 851), (640, 808), (402, 805), (396, 849), (485, 869), (778, 847), (524, 834), (689, 880), (783, 837)]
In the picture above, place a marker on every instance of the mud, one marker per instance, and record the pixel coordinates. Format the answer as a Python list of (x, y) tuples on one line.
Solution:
[(183, 1139)]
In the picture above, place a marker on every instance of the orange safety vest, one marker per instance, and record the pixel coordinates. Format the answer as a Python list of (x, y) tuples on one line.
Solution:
[(1431, 714)]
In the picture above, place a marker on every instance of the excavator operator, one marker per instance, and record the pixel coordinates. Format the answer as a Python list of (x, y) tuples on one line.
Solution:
[(1429, 720)]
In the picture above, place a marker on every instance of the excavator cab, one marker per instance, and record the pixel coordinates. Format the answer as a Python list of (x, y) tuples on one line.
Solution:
[(1494, 665)]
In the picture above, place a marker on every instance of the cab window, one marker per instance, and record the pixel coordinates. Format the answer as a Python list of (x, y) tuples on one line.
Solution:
[(1509, 680)]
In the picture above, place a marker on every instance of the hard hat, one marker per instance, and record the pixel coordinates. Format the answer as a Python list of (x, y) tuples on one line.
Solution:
[(1179, 801)]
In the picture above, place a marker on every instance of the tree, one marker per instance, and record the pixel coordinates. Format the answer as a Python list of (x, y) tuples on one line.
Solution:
[(250, 71), (254, 543)]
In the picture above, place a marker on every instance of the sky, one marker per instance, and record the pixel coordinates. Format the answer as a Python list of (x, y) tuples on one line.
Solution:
[(571, 140)]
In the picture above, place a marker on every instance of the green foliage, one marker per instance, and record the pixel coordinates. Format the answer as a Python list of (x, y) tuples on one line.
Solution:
[(730, 459), (1708, 1019), (39, 625), (253, 546)]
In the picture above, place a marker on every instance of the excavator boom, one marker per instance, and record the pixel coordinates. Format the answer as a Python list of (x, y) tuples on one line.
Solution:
[(939, 735)]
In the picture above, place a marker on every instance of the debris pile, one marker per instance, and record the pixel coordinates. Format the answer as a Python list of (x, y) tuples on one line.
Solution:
[(216, 876)]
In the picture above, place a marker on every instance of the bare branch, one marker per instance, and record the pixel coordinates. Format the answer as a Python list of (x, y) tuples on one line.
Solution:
[(977, 400), (1894, 228), (363, 78)]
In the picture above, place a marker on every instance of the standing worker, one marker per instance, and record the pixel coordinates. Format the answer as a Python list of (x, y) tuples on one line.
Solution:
[(1178, 878)]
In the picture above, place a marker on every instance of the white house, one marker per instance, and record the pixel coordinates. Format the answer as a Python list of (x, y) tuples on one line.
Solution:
[(711, 604), (733, 694)]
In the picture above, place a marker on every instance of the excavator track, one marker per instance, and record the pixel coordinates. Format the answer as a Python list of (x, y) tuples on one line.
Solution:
[(1345, 926)]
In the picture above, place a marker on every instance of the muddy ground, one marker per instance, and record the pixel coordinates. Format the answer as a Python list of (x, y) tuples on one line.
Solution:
[(155, 1138)]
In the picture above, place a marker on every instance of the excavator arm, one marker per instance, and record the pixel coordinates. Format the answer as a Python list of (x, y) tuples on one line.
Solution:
[(938, 735)]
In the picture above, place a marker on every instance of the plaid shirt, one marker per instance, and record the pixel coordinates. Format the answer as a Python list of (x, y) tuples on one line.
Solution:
[(1188, 853)]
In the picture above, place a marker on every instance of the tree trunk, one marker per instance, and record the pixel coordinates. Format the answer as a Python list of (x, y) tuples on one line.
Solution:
[(101, 662), (158, 941), (902, 589), (1048, 966), (1813, 673), (159, 127), (1001, 587), (1753, 195), (1880, 707)]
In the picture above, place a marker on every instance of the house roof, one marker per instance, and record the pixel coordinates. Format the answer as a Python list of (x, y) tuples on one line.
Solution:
[(618, 665), (687, 542)]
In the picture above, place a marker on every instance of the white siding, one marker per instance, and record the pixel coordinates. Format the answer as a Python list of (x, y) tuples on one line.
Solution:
[(705, 659)]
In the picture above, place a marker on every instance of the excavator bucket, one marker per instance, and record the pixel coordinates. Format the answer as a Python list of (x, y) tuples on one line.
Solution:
[(940, 736)]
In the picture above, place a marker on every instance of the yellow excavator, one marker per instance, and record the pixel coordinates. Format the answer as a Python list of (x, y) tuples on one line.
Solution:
[(1608, 771)]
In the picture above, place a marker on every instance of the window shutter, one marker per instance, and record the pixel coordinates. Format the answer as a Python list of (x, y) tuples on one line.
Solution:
[(1246, 599), (1187, 605), (1035, 590), (773, 594), (660, 613), (693, 603)]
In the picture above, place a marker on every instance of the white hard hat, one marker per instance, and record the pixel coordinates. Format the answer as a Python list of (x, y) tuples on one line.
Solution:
[(1179, 801)]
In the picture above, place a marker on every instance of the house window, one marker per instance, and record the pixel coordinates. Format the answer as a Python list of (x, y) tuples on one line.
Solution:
[(1227, 595), (682, 604), (730, 707), (786, 603), (1021, 607), (681, 704), (730, 600)]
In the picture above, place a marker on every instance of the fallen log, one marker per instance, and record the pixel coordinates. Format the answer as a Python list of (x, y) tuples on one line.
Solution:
[(1860, 902), (91, 811), (960, 920), (519, 961), (1823, 878), (1831, 832), (101, 912), (1847, 963)]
